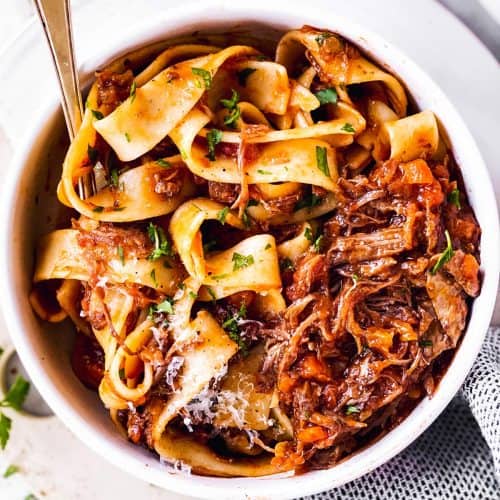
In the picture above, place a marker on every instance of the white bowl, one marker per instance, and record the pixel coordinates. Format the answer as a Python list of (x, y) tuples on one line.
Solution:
[(44, 349)]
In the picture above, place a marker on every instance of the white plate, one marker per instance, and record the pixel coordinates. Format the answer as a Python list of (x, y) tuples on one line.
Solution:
[(493, 7), (426, 32)]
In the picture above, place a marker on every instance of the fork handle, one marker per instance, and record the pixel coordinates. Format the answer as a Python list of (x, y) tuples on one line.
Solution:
[(55, 16)]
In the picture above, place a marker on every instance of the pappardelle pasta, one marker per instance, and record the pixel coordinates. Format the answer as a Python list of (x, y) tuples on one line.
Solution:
[(277, 259)]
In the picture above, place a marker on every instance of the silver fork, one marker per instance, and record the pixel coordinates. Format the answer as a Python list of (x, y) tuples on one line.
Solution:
[(55, 16)]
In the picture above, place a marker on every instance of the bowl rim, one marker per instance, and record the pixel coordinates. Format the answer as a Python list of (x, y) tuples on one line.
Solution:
[(168, 23)]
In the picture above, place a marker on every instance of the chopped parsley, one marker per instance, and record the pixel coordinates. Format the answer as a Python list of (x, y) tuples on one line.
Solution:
[(93, 154), (167, 306), (318, 242), (97, 209), (113, 177), (204, 75), (268, 246), (30, 497), (454, 198), (162, 246), (163, 163), (327, 96), (233, 102), (218, 277), (355, 278), (133, 88), (244, 74), (121, 256), (445, 256), (232, 105), (14, 399), (11, 470), (264, 172), (222, 214), (192, 295), (351, 409), (181, 286), (246, 218), (308, 202), (214, 136), (322, 37), (153, 277), (322, 160), (241, 261), (127, 136), (286, 264), (347, 127), (97, 114), (211, 293), (425, 343), (232, 328)]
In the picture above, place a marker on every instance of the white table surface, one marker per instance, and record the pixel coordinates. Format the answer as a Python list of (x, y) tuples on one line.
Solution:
[(54, 464)]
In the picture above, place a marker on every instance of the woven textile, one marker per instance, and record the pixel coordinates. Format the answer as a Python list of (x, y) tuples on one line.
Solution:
[(457, 458)]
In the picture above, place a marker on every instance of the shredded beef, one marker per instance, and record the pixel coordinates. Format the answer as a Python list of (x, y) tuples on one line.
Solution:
[(223, 192), (168, 182), (113, 88)]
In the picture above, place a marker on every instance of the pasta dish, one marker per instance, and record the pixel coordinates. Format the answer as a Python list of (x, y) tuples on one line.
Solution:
[(275, 259)]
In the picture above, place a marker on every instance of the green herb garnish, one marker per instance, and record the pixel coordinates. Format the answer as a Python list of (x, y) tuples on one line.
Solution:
[(264, 172), (133, 88), (97, 114), (308, 202), (351, 409), (163, 163), (318, 242), (308, 234), (232, 328), (322, 160), (11, 470), (327, 96), (347, 127), (233, 102), (222, 214), (240, 261), (445, 256), (93, 154), (211, 293), (167, 306), (97, 209), (454, 198), (425, 343), (127, 136), (244, 74), (153, 277), (286, 264), (113, 177), (320, 39), (204, 75), (14, 399), (121, 256), (162, 246), (214, 136)]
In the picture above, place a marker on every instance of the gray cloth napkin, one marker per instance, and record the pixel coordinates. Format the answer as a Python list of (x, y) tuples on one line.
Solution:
[(457, 458)]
